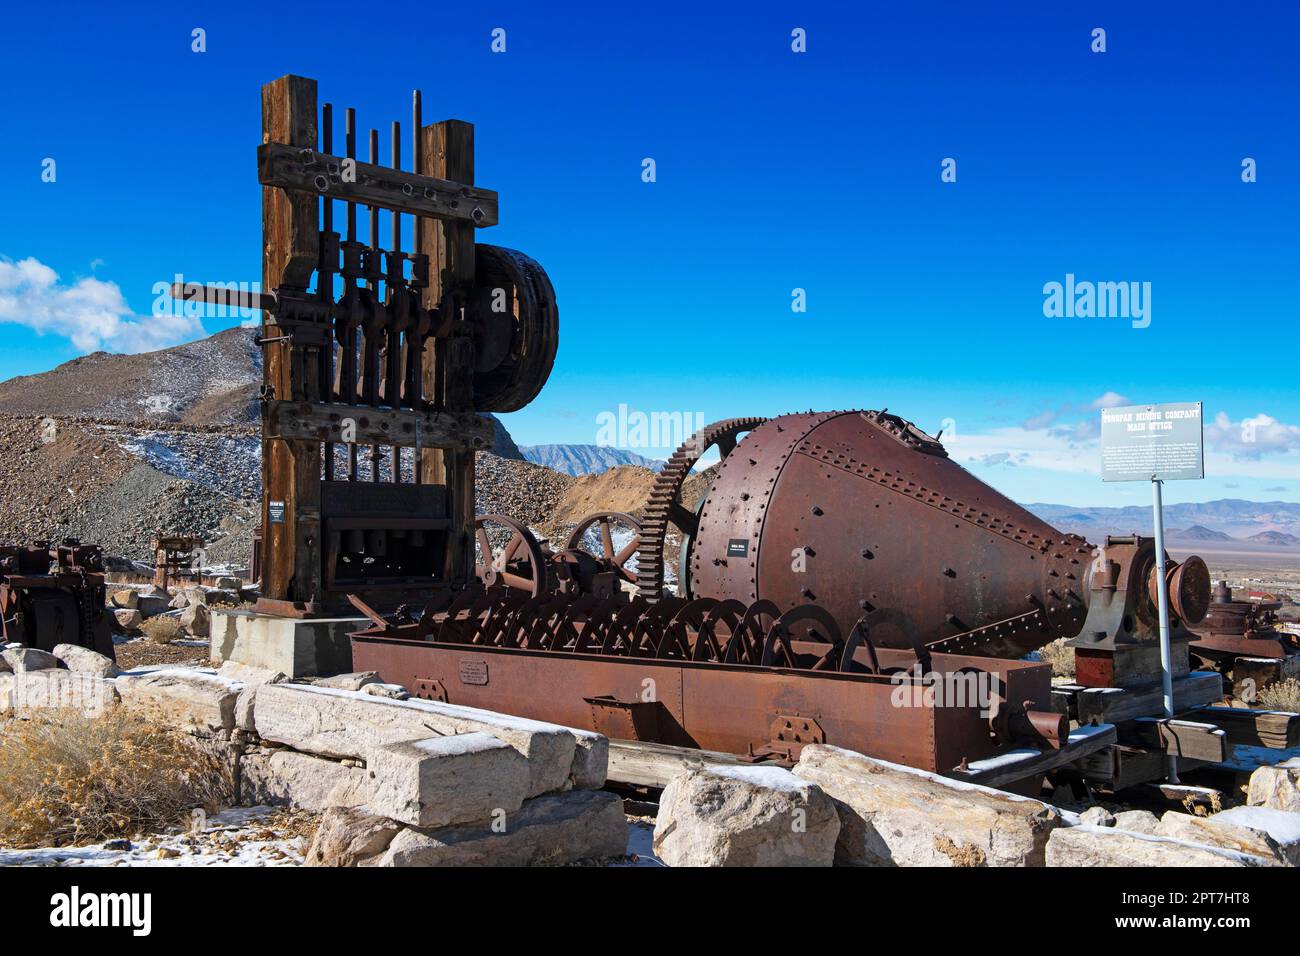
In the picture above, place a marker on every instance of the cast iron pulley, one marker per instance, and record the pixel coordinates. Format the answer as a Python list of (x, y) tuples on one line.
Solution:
[(516, 328), (607, 557)]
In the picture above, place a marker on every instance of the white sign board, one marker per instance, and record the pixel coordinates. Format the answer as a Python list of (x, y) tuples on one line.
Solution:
[(1146, 442)]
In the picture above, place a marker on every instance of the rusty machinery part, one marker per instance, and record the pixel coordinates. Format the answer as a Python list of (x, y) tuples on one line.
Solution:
[(54, 595), (666, 508), (1187, 586), (606, 559), (728, 674), (516, 328), (673, 628), (1234, 628), (518, 564), (861, 511)]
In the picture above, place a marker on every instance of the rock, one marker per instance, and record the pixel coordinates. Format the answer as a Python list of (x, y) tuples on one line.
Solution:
[(391, 691), (222, 596), (1137, 821), (339, 723), (551, 830), (187, 597), (194, 619), (1193, 829), (1282, 827), (745, 816), (58, 689), (127, 598), (249, 675), (1108, 847), (227, 582), (1277, 787), (128, 619), (83, 660), (445, 780), (182, 698), (891, 815), (1097, 817), (348, 837), (21, 659), (287, 778), (152, 605), (4, 666), (354, 681), (7, 681)]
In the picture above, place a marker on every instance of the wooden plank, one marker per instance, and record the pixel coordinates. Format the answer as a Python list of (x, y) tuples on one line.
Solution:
[(645, 764), (1181, 738), (1122, 767), (1255, 728), (1018, 765), (447, 152), (1111, 705), (315, 173), (314, 421), (291, 484)]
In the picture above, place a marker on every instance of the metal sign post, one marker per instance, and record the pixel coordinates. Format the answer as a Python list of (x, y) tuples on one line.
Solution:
[(1155, 443)]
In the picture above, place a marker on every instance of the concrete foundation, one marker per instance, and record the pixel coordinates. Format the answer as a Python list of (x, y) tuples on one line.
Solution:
[(314, 647)]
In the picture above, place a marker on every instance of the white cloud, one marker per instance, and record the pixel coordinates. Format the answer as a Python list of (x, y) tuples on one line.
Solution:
[(1108, 400), (1251, 438), (91, 313)]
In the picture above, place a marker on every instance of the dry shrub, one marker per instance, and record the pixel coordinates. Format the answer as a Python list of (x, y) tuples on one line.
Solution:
[(71, 779), (1060, 657), (1283, 695), (162, 630)]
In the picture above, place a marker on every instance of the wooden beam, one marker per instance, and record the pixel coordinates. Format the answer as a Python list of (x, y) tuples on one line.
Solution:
[(1190, 740), (1030, 762), (644, 764), (291, 567), (1111, 705), (316, 174), (308, 421), (447, 152)]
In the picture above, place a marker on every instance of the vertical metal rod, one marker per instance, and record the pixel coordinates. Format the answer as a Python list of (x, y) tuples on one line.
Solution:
[(1162, 602), (348, 388), (417, 342), (373, 364), (325, 283)]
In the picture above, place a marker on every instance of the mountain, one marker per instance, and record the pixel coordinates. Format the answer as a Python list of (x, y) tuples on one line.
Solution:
[(585, 459), (212, 381), (1233, 517), (1276, 537), (1197, 533)]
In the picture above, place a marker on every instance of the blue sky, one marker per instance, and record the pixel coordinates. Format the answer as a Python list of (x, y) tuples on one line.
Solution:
[(775, 171)]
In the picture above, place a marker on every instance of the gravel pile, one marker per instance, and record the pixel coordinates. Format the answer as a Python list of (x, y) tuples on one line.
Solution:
[(520, 489)]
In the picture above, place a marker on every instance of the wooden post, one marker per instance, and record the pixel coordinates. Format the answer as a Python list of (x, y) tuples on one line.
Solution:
[(448, 153), (291, 566)]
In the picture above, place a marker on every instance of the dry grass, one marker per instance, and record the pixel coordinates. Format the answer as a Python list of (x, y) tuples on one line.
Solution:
[(1060, 657), (162, 630), (70, 779), (1283, 695)]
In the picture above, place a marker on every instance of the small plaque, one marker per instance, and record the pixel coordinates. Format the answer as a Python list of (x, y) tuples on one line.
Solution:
[(473, 672), (275, 511), (738, 548)]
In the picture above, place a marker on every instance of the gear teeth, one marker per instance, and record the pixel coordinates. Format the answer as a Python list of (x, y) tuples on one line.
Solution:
[(664, 494)]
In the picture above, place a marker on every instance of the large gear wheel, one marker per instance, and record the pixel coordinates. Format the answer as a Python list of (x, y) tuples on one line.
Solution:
[(665, 506)]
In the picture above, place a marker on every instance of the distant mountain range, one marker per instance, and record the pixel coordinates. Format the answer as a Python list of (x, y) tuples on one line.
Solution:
[(1274, 523), (585, 459)]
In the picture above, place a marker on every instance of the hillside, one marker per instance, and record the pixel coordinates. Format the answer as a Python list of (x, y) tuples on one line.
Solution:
[(586, 459)]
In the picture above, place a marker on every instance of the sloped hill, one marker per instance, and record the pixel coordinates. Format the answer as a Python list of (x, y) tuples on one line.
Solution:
[(212, 381), (586, 459)]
